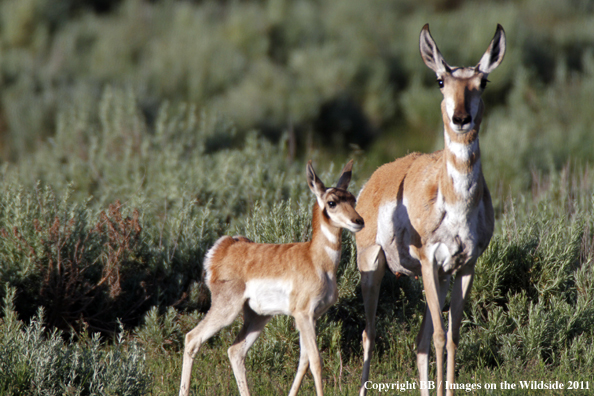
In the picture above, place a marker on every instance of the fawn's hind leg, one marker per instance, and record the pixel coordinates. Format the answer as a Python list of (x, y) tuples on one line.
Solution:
[(224, 309)]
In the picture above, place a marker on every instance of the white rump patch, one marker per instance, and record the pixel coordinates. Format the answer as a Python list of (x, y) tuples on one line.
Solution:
[(269, 296)]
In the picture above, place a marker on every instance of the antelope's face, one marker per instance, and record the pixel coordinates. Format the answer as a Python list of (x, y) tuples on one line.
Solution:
[(339, 206), (462, 87), (336, 202)]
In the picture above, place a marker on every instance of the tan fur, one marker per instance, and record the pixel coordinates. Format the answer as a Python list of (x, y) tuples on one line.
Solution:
[(431, 215), (238, 261), (297, 279)]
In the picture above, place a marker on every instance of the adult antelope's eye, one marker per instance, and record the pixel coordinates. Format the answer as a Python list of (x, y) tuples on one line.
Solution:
[(484, 82), (331, 204), (440, 82)]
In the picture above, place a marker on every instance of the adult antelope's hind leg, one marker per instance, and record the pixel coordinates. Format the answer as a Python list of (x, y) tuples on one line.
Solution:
[(460, 292), (307, 333), (253, 324), (222, 313), (372, 265), (423, 349)]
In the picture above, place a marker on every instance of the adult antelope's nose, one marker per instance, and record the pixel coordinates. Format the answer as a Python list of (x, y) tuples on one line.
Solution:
[(461, 119)]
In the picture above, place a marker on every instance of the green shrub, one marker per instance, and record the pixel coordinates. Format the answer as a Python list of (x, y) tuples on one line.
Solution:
[(78, 251), (35, 362), (75, 264), (281, 64), (531, 299)]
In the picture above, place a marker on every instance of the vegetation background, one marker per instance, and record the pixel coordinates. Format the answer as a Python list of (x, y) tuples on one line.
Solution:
[(133, 133)]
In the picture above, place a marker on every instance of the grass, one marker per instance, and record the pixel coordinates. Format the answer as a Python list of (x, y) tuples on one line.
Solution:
[(529, 319), (530, 316)]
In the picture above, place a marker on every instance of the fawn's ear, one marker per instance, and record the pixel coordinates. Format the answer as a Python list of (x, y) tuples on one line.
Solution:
[(345, 177), (315, 184), (495, 52), (430, 53)]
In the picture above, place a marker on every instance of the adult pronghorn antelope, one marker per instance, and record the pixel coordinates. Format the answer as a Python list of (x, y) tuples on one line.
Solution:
[(431, 214), (297, 279)]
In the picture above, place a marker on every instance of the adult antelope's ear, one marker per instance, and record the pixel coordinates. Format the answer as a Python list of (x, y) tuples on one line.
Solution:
[(315, 184), (345, 177), (430, 53), (495, 52)]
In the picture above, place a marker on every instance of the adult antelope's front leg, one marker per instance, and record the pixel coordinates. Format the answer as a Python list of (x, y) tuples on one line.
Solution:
[(436, 289), (372, 264), (460, 293)]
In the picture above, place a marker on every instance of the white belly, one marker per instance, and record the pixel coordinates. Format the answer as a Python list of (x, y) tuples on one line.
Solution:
[(269, 296)]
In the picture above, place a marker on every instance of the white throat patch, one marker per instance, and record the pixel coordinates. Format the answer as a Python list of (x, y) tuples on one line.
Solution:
[(328, 234), (333, 254), (463, 152), (464, 182)]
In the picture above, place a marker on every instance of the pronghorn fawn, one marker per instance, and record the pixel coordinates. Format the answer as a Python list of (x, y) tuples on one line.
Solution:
[(297, 279), (431, 215)]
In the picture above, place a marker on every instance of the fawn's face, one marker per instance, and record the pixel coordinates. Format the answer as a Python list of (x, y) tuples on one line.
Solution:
[(339, 205), (336, 202)]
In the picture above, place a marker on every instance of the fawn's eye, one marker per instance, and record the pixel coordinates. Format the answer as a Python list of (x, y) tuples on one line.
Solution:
[(484, 82), (440, 82), (331, 204)]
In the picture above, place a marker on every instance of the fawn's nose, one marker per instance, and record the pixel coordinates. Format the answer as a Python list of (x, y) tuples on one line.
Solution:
[(360, 222)]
